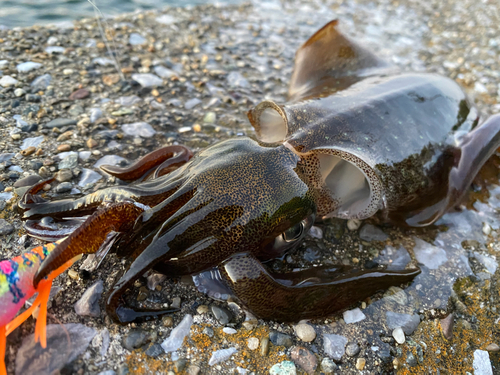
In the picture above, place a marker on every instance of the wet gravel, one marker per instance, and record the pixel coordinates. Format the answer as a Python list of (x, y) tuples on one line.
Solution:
[(188, 76)]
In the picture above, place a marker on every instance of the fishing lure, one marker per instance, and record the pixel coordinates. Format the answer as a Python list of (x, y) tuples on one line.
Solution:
[(16, 287)]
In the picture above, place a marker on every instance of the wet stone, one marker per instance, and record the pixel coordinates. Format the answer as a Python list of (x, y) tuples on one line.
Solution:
[(429, 255), (64, 187), (176, 338), (328, 366), (5, 227), (280, 339), (305, 332), (352, 349), (135, 338), (235, 79), (371, 233), (334, 345), (283, 368), (88, 304), (69, 162), (304, 359), (397, 295), (154, 351), (31, 358), (28, 180), (88, 176), (409, 323), (60, 122), (223, 315)]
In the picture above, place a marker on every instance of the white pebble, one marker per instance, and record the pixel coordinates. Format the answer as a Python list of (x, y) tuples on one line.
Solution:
[(353, 224), (7, 81), (252, 343), (399, 335), (305, 332), (354, 316), (229, 331), (486, 229)]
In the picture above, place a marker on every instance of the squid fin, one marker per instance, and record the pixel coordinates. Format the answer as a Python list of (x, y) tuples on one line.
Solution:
[(330, 62)]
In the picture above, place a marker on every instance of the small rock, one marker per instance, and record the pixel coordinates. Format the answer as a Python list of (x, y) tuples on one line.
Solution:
[(202, 309), (31, 358), (91, 143), (493, 347), (32, 142), (360, 363), (252, 343), (229, 331), (372, 233), (328, 366), (235, 79), (41, 83), (334, 345), (208, 331), (353, 316), (352, 349), (411, 360), (482, 363), (33, 98), (180, 365), (154, 351), (19, 92), (191, 103), (353, 224), (280, 339), (64, 187), (147, 80), (399, 335), (305, 332), (60, 122), (64, 175), (88, 176), (304, 359), (176, 338), (139, 129), (429, 255), (395, 294), (409, 323), (88, 304), (79, 94), (223, 315), (95, 114), (283, 368), (176, 302), (264, 346), (136, 39), (447, 326), (168, 321), (136, 338), (7, 81), (193, 370), (27, 66), (69, 162), (164, 72), (5, 227), (221, 355)]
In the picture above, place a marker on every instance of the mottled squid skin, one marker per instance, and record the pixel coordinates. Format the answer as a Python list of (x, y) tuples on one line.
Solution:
[(357, 138)]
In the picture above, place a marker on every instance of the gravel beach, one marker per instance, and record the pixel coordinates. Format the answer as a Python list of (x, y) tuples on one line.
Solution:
[(188, 76)]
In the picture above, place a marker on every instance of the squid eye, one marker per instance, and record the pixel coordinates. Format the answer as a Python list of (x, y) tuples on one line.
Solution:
[(294, 233)]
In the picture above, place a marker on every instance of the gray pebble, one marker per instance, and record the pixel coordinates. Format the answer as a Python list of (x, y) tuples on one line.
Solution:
[(135, 338), (352, 349), (411, 360), (180, 365), (176, 303), (88, 304), (208, 331), (328, 366), (64, 187), (28, 181), (372, 233), (280, 339), (64, 175), (155, 350), (69, 162), (5, 227), (60, 122), (223, 315), (408, 322)]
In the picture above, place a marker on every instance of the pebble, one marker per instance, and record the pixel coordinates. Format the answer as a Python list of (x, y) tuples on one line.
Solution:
[(223, 315), (408, 323), (64, 175), (354, 316), (482, 363), (139, 129), (154, 351), (28, 66), (136, 338), (180, 365), (334, 345), (221, 355), (229, 331), (353, 224), (283, 368), (303, 358), (64, 187), (32, 142), (31, 358), (193, 370), (447, 326), (70, 161), (88, 304), (91, 143), (411, 360), (236, 79), (191, 103), (147, 79), (253, 343), (168, 321), (164, 72), (176, 338), (28, 151), (7, 81), (79, 94), (399, 335), (55, 50), (208, 331), (280, 339), (429, 255), (109, 159), (136, 39), (352, 349), (370, 232), (305, 332), (60, 122), (397, 295), (5, 227), (41, 83), (88, 176), (19, 92), (493, 347), (360, 363), (328, 366), (95, 114), (264, 346), (176, 302)]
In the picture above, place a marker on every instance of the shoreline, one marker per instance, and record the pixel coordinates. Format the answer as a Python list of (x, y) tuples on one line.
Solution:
[(210, 65)]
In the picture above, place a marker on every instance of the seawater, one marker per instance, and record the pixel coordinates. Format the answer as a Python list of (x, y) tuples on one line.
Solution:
[(30, 12)]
